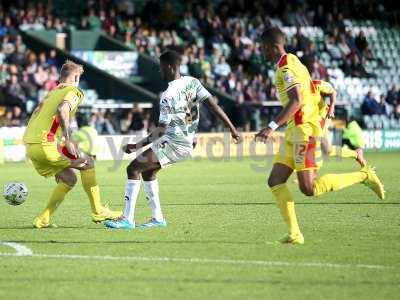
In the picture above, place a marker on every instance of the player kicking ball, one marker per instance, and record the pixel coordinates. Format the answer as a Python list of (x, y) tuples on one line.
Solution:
[(300, 150), (172, 141), (53, 153)]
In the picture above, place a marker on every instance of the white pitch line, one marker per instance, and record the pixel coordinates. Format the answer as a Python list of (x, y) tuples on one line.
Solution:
[(21, 250), (205, 261)]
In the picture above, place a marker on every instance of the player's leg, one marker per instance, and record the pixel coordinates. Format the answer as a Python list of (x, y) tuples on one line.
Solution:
[(310, 185), (346, 152), (281, 171), (326, 147), (151, 190), (349, 150), (86, 166), (338, 151), (145, 162), (66, 180)]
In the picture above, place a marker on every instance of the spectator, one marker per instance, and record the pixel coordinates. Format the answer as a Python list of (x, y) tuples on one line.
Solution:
[(393, 96), (222, 68), (93, 20), (344, 48), (302, 42), (333, 48), (352, 66), (84, 24), (40, 77), (52, 59), (31, 63), (318, 70), (29, 89), (42, 61), (396, 111), (194, 66), (18, 117), (362, 45), (125, 122), (107, 123), (17, 57), (372, 106), (52, 79), (137, 124), (15, 93)]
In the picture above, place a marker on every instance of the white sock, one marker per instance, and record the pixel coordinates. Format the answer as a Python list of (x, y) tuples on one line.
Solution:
[(152, 194), (132, 189)]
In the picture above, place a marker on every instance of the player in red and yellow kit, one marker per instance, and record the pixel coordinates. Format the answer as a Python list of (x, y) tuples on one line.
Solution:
[(327, 112), (50, 148), (300, 151)]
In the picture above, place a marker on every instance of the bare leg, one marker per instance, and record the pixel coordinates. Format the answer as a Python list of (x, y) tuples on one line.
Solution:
[(145, 162)]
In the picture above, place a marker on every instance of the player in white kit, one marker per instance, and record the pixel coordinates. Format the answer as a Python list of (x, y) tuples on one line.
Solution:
[(172, 141)]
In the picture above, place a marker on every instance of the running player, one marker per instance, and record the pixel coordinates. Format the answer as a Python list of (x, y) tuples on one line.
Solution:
[(53, 153), (172, 141), (327, 112), (300, 150)]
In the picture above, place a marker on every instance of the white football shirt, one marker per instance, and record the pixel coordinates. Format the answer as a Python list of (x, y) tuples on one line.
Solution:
[(179, 109)]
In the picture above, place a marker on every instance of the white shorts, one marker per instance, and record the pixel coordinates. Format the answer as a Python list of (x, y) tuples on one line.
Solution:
[(169, 152)]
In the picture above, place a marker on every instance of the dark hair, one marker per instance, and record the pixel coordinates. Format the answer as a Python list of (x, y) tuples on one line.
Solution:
[(171, 57), (273, 35)]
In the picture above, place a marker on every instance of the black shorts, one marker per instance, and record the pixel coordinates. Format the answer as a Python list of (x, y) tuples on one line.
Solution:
[(349, 144)]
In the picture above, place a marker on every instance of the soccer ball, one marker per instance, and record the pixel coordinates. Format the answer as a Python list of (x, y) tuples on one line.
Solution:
[(15, 193)]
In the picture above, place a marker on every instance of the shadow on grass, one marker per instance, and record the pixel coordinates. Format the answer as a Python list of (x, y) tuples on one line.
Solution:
[(236, 281), (27, 227), (137, 242), (274, 204)]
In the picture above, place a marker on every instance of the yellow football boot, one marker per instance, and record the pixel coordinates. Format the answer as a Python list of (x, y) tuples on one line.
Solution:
[(43, 222), (373, 182), (297, 239), (106, 214)]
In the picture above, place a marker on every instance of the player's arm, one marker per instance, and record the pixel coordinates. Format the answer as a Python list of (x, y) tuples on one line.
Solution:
[(286, 113), (163, 121), (217, 110), (63, 111), (154, 135), (332, 102)]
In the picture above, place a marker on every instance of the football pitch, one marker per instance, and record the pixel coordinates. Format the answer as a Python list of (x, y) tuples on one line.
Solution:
[(219, 243)]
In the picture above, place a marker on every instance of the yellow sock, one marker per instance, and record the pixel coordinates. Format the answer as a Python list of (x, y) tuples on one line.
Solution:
[(285, 203), (333, 182), (55, 200), (92, 190), (344, 152)]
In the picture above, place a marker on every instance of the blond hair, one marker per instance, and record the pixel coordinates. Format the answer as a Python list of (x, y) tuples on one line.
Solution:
[(69, 68)]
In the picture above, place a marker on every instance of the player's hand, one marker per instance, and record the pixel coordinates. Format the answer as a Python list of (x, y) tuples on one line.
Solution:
[(331, 112), (264, 134), (72, 148), (237, 138), (129, 148)]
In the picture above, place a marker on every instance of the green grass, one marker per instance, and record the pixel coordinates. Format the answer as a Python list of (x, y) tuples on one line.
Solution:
[(215, 210)]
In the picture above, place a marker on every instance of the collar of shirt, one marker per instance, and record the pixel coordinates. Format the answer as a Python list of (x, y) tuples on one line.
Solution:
[(279, 60), (174, 81)]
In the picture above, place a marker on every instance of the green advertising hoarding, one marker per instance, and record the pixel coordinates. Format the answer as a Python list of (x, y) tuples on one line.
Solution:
[(382, 140)]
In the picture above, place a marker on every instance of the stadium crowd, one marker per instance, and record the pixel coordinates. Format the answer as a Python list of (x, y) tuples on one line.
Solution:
[(218, 41)]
